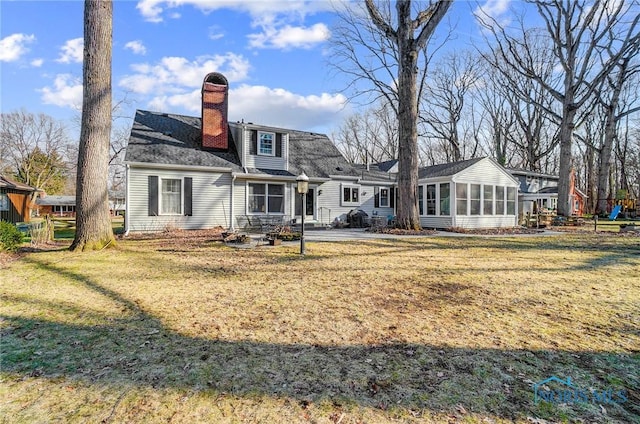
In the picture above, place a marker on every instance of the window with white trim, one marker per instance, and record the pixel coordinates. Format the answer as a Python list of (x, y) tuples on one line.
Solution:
[(350, 195), (462, 207), (171, 197), (384, 197), (266, 143), (265, 198), (421, 200), (4, 202)]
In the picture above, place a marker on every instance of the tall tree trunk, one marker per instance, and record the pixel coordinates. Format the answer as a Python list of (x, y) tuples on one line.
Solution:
[(93, 223), (407, 122), (566, 138)]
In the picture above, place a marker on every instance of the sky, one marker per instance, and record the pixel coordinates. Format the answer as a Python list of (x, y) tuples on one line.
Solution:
[(274, 53)]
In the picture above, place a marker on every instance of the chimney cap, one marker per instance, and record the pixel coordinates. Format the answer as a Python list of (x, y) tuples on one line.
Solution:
[(215, 78)]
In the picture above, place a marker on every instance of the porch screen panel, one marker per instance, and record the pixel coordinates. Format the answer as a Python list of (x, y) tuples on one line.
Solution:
[(431, 199), (461, 199), (499, 200), (445, 199), (511, 201), (488, 200), (474, 195)]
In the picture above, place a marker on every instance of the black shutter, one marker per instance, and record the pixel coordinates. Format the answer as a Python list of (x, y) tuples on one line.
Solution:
[(376, 197), (153, 195), (253, 147), (188, 183), (279, 145), (392, 197)]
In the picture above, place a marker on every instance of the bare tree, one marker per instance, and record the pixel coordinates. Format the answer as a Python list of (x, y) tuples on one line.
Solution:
[(449, 87), (35, 149), (92, 202), (368, 137), (580, 31), (611, 98), (383, 51)]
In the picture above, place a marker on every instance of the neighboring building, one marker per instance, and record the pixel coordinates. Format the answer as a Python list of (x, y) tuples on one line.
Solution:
[(539, 193), (192, 173), (16, 200), (117, 202), (57, 206)]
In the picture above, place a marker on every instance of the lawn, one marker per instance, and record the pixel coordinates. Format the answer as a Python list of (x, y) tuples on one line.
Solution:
[(184, 329)]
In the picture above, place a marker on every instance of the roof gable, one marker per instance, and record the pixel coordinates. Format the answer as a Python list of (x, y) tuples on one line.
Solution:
[(10, 184), (446, 169)]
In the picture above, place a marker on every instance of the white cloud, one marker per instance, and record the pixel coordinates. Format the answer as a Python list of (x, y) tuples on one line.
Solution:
[(493, 8), (264, 105), (13, 46), (174, 74), (136, 47), (152, 10), (72, 51), (36, 63), (279, 107), (290, 36), (66, 92)]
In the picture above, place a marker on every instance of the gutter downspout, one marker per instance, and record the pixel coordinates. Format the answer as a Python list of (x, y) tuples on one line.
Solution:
[(233, 184), (126, 201)]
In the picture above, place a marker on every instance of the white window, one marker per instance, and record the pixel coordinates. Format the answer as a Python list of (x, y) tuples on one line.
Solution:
[(265, 198), (4, 202), (266, 143), (384, 197), (171, 197), (350, 195)]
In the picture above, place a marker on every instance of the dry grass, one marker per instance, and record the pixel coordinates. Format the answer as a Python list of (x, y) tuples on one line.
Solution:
[(184, 329)]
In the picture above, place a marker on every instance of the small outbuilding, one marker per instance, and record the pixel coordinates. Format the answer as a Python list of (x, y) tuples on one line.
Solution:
[(16, 200)]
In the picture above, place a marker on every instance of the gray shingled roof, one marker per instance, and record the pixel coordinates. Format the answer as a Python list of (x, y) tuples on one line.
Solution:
[(56, 201), (9, 184), (446, 169), (175, 139), (169, 139)]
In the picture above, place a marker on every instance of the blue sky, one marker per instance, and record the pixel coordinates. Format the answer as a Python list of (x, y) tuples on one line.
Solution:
[(274, 54)]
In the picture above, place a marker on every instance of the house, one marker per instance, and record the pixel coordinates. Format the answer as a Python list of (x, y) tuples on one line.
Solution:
[(16, 200), (56, 205), (539, 193), (201, 172)]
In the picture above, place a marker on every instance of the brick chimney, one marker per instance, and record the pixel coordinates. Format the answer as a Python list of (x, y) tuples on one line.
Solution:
[(215, 89)]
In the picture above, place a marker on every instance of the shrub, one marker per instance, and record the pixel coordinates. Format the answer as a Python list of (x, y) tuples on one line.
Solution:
[(10, 236)]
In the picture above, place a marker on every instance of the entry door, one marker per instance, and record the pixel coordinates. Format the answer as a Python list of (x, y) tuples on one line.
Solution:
[(311, 207)]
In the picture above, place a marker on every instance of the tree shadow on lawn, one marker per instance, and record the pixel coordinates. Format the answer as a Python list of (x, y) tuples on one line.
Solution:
[(136, 349)]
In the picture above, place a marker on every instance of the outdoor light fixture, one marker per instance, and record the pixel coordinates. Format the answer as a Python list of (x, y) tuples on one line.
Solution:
[(303, 189)]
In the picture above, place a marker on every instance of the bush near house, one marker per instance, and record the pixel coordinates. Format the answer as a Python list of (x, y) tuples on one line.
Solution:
[(10, 236)]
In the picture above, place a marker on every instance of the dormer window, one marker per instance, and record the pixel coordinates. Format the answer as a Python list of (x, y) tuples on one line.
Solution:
[(266, 143)]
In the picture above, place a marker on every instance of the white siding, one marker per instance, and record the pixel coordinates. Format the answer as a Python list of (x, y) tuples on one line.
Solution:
[(211, 201), (442, 222)]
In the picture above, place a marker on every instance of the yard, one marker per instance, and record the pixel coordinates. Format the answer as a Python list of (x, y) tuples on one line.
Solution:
[(184, 329)]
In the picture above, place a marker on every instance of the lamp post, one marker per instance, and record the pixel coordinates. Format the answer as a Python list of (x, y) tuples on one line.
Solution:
[(303, 189)]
